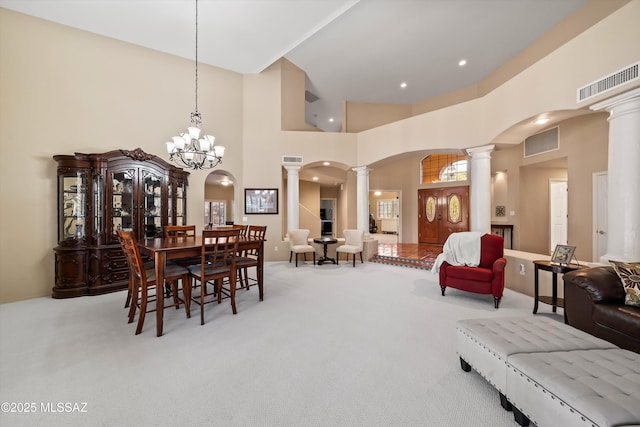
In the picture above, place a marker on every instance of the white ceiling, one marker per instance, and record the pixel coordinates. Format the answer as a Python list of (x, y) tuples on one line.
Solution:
[(356, 50)]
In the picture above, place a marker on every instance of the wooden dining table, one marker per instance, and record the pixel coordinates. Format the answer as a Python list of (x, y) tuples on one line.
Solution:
[(163, 249)]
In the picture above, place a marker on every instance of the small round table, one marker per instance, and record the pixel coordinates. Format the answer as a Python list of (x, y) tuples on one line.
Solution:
[(325, 241)]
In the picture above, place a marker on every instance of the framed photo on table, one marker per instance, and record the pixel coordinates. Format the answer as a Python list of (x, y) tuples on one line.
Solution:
[(563, 254), (261, 201)]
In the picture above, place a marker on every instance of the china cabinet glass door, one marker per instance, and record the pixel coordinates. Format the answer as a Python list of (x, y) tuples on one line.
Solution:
[(181, 204), (123, 202), (152, 186), (72, 206), (97, 205)]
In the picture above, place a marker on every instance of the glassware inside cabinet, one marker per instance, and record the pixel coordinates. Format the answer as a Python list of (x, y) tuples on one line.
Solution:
[(97, 203), (152, 203), (180, 204), (72, 206), (122, 200), (170, 205)]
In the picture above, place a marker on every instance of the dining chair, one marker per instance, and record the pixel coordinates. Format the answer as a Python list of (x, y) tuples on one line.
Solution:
[(241, 227), (179, 230), (143, 280), (175, 231), (249, 258), (217, 262), (299, 244), (354, 242)]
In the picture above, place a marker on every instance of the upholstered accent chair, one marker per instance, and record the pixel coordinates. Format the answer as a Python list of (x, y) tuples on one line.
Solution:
[(299, 244), (353, 244), (486, 278)]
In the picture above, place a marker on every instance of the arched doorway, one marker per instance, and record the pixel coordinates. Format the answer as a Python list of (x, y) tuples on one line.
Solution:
[(219, 199)]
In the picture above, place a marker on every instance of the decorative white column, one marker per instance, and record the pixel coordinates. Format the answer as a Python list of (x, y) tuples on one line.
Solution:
[(293, 197), (480, 203), (362, 197), (623, 224)]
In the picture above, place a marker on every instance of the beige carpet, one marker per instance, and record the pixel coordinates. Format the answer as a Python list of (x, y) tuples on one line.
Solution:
[(329, 346)]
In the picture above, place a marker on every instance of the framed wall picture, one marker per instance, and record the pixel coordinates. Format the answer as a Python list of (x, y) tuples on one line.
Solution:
[(563, 254), (261, 201)]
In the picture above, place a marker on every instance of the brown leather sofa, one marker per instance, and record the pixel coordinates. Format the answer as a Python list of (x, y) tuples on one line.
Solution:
[(594, 303)]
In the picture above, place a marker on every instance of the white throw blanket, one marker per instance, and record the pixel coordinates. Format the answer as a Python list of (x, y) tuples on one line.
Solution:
[(460, 249)]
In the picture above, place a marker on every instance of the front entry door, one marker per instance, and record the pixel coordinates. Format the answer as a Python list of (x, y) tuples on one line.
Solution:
[(442, 211)]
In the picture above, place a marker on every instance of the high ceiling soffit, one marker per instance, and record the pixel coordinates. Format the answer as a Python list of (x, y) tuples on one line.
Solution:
[(355, 50)]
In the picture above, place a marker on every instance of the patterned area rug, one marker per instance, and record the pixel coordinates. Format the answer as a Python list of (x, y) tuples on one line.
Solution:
[(411, 255)]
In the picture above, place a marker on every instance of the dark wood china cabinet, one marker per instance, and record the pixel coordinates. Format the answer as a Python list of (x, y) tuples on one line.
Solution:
[(99, 194)]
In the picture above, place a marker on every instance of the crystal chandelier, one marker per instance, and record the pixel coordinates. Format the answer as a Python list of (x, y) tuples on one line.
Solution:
[(189, 150)]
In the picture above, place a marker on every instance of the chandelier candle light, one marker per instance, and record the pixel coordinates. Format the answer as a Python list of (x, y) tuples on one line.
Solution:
[(189, 150)]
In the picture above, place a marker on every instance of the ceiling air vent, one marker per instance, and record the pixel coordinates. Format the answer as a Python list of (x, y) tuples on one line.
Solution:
[(609, 82), (541, 142), (310, 97), (291, 160)]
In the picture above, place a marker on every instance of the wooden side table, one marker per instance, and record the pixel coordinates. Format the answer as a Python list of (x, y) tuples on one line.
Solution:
[(555, 269)]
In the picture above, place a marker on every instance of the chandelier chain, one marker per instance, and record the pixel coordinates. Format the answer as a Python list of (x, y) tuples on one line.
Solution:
[(196, 56), (191, 149)]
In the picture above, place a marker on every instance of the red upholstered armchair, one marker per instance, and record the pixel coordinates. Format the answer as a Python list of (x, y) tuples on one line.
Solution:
[(486, 278)]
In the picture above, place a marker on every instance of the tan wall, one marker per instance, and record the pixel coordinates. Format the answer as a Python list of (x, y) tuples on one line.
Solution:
[(534, 208), (65, 90), (366, 115), (310, 207), (293, 98), (583, 142)]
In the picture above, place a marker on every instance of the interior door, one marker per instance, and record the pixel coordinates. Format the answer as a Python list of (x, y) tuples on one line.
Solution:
[(443, 211), (558, 211)]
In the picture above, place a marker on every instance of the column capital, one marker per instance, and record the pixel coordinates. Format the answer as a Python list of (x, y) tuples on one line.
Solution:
[(361, 169), (609, 104), (481, 152), (292, 169)]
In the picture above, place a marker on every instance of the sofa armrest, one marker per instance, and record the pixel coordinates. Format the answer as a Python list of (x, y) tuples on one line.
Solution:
[(601, 284)]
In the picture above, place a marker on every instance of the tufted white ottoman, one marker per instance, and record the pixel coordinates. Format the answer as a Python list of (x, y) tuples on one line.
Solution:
[(576, 388), (485, 344)]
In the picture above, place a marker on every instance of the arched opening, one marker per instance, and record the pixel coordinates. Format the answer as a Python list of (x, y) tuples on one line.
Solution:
[(219, 199)]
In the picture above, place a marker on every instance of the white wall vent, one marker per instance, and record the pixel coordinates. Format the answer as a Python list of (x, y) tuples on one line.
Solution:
[(609, 82), (541, 142), (292, 160)]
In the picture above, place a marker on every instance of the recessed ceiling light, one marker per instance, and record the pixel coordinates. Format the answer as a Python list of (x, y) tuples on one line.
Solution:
[(315, 178), (331, 119), (542, 121), (403, 85), (462, 63), (326, 163)]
